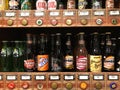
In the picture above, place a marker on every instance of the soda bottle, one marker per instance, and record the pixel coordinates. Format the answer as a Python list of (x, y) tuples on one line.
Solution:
[(96, 4), (57, 60), (43, 56), (68, 57), (29, 62), (26, 5), (82, 4), (6, 57), (41, 5), (95, 54), (109, 4), (82, 60), (14, 4), (71, 4), (52, 4), (109, 58)]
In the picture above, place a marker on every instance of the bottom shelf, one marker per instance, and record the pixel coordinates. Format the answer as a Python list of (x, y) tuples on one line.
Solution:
[(59, 81)]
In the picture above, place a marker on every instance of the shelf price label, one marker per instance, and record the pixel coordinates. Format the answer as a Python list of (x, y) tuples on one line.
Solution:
[(114, 13), (68, 13), (40, 77), (1, 77), (25, 77), (24, 14), (83, 13), (11, 77), (98, 77), (83, 77), (69, 77), (39, 13), (54, 77), (113, 77), (99, 13), (52, 13), (10, 14)]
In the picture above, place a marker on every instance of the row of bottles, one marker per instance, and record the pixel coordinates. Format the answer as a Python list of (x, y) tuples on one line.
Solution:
[(55, 53), (57, 4)]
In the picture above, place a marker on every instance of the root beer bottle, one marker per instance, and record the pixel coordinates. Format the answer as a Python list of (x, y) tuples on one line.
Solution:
[(42, 56)]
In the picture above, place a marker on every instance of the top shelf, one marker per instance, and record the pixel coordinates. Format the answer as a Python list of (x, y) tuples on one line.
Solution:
[(60, 18)]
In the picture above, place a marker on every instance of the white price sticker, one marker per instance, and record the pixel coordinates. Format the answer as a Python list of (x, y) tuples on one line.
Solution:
[(40, 77), (54, 77), (54, 13), (10, 14), (113, 77), (69, 77), (68, 13), (114, 13), (99, 13), (83, 77), (25, 77), (83, 13), (38, 14), (0, 77), (11, 77), (98, 77), (24, 14)]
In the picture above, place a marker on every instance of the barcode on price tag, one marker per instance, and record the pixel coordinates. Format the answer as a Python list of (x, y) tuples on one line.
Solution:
[(68, 77), (83, 77), (54, 77), (11, 77), (98, 77), (25, 77), (113, 77), (40, 77)]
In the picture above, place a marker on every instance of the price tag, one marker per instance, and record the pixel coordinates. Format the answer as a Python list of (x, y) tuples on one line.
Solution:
[(99, 13), (114, 13), (83, 13), (10, 14), (38, 14), (54, 13), (54, 77), (24, 14), (1, 77), (40, 77), (68, 77), (83, 77), (11, 77), (98, 77), (68, 13), (25, 77), (113, 77)]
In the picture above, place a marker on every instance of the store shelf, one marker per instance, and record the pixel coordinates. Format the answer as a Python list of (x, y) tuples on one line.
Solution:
[(60, 18)]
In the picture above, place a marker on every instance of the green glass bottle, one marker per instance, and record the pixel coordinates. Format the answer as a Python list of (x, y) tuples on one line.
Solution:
[(26, 5)]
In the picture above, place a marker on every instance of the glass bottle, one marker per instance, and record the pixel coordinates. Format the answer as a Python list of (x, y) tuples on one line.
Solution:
[(14, 4), (109, 58), (26, 5), (57, 60), (71, 4), (117, 63), (68, 57), (41, 5), (52, 4), (29, 62), (82, 4), (96, 4), (109, 4), (43, 56), (95, 54), (6, 57), (82, 60)]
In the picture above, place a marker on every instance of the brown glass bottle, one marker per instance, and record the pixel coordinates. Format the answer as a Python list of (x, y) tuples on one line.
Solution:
[(43, 56), (82, 60), (109, 58), (29, 62), (95, 54), (68, 57)]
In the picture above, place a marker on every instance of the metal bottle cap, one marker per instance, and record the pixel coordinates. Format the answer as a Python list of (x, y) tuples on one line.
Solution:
[(39, 22), (69, 86), (98, 85), (24, 22), (54, 85), (10, 22), (83, 85)]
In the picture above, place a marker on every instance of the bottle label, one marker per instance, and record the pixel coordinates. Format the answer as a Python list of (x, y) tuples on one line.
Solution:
[(13, 4), (29, 64), (41, 5), (52, 5), (81, 63), (15, 53), (95, 63), (82, 4), (69, 62), (109, 62), (56, 64), (42, 62), (96, 5), (26, 5), (110, 3), (3, 52), (118, 66), (71, 4)]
